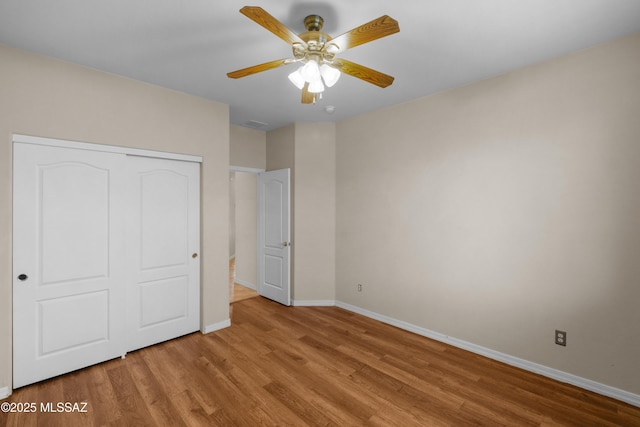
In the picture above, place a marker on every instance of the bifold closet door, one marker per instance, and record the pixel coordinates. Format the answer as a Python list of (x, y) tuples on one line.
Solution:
[(163, 248), (68, 260)]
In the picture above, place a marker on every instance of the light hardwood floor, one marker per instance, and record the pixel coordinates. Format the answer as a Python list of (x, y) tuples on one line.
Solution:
[(321, 366)]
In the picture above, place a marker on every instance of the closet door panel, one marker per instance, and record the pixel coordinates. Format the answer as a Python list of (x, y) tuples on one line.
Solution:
[(163, 297), (174, 295), (58, 316), (68, 246)]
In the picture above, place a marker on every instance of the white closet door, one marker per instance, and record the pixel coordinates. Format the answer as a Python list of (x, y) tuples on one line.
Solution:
[(163, 247), (68, 282)]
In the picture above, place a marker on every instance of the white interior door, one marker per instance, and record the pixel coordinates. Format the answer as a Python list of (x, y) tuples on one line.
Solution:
[(274, 242), (68, 260), (163, 246)]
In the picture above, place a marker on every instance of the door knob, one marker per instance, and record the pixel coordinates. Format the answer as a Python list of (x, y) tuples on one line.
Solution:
[(285, 244), (194, 256), (23, 277)]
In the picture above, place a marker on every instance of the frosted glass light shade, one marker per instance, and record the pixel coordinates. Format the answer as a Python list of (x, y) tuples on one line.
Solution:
[(297, 79), (310, 71), (329, 74), (316, 86)]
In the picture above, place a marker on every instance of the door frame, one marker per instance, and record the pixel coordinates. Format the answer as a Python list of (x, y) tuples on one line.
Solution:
[(52, 142), (258, 171)]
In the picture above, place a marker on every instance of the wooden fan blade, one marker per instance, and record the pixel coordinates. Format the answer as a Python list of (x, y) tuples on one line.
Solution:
[(376, 29), (307, 97), (263, 18), (257, 68), (360, 71)]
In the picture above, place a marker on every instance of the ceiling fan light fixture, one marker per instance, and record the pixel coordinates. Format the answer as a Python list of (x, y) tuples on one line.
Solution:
[(316, 52), (297, 79), (329, 74)]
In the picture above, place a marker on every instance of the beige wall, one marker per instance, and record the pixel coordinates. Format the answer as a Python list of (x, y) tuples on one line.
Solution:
[(45, 97), (280, 152), (500, 211), (248, 147), (315, 210)]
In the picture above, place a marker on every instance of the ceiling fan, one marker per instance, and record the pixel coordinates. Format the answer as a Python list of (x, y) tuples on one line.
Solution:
[(316, 51)]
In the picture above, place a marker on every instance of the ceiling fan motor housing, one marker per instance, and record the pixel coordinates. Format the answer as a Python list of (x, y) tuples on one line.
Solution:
[(316, 48), (313, 23)]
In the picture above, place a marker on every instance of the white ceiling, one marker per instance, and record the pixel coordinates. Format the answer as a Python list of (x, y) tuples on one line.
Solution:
[(190, 45)]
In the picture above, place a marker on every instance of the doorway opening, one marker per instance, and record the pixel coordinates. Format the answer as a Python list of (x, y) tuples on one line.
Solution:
[(243, 220)]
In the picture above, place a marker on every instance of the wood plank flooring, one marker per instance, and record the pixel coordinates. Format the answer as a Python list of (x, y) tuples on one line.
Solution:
[(319, 366), (241, 293)]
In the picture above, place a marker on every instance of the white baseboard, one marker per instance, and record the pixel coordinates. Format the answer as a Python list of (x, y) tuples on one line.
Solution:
[(313, 303), (246, 284), (603, 389), (5, 392), (216, 326)]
